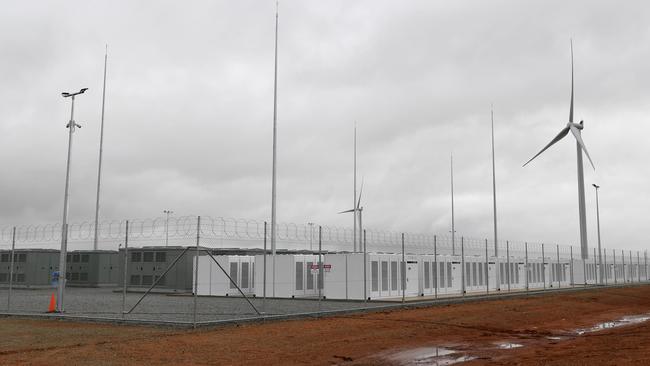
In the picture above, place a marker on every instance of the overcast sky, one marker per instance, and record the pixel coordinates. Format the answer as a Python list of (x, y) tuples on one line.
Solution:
[(190, 99)]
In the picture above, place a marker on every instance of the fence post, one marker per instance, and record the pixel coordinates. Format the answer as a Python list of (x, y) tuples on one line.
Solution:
[(403, 271), (435, 261), (558, 266), (595, 267), (462, 266), (497, 264), (196, 268), (606, 269), (508, 274), (543, 267), (584, 268), (527, 270), (645, 258), (623, 259), (487, 268), (319, 280), (631, 267), (264, 274), (638, 266), (126, 268), (573, 283), (365, 269), (615, 269), (11, 269)]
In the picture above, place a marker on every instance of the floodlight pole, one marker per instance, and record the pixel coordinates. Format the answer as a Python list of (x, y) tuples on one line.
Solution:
[(453, 228), (274, 178), (101, 148), (64, 226), (494, 200), (354, 199), (600, 259)]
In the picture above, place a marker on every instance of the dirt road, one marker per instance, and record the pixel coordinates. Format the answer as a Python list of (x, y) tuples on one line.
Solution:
[(542, 330)]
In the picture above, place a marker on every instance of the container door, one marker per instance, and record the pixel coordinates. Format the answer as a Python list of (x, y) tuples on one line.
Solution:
[(492, 276), (426, 276), (374, 277), (299, 289), (454, 277), (412, 278)]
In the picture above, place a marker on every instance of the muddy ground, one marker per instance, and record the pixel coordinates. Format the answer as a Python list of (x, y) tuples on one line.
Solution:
[(545, 329)]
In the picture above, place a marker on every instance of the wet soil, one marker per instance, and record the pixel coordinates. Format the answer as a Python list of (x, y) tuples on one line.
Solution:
[(547, 327)]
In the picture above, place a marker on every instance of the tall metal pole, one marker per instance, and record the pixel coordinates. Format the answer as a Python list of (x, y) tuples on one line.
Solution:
[(11, 268), (72, 125), (101, 147), (494, 196), (275, 129), (126, 267), (453, 227), (354, 199)]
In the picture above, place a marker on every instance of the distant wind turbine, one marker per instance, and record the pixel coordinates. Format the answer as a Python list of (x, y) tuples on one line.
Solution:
[(358, 213), (575, 129)]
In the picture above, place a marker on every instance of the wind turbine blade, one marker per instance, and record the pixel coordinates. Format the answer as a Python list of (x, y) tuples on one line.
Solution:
[(571, 107), (577, 135), (360, 192), (557, 138), (352, 210)]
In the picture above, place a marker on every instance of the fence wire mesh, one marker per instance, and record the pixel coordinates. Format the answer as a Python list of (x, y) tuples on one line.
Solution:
[(224, 275)]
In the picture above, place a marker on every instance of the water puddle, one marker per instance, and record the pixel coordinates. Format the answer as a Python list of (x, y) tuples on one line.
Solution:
[(433, 356), (627, 320), (555, 338), (509, 345)]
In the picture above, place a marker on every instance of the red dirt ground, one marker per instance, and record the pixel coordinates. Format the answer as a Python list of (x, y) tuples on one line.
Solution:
[(371, 339)]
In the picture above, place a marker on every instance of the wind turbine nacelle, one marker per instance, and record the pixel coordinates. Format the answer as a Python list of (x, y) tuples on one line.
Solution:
[(579, 126)]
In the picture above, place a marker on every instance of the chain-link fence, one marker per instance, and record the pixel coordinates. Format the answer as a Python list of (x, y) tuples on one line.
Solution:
[(202, 270)]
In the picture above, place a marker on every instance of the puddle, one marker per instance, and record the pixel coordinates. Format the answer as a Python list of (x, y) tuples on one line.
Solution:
[(627, 320), (509, 345), (434, 356), (555, 338)]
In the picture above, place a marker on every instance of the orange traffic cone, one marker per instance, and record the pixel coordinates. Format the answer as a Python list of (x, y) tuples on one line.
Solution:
[(52, 307)]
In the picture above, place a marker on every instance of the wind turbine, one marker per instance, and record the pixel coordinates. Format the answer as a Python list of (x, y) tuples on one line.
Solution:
[(575, 129), (358, 212)]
